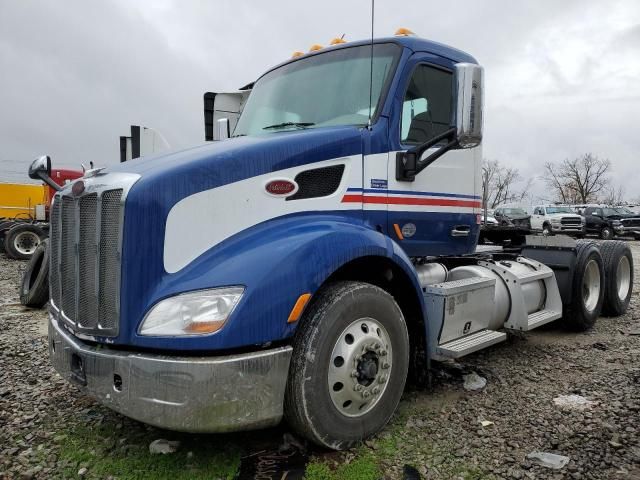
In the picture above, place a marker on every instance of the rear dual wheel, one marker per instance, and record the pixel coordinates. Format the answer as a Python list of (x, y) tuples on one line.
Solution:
[(349, 365), (618, 266)]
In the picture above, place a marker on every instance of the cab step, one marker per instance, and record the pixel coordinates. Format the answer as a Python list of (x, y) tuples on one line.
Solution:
[(536, 275), (471, 343), (541, 317)]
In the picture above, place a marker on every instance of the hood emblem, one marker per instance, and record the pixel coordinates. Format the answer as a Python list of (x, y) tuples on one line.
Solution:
[(281, 187)]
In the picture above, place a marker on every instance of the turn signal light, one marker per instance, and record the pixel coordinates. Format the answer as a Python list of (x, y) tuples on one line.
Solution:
[(315, 47), (337, 41), (297, 54), (403, 32)]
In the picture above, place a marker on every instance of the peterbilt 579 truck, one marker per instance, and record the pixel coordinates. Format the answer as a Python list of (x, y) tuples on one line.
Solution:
[(305, 266)]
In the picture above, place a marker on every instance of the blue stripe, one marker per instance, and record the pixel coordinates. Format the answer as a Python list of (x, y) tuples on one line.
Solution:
[(410, 192)]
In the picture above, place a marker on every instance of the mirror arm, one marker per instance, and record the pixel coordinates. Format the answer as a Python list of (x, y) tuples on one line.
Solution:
[(408, 164), (49, 181)]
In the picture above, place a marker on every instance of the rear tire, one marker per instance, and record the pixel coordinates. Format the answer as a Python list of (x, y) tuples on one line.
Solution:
[(606, 233), (587, 291), (618, 273), (34, 289), (349, 365), (21, 241)]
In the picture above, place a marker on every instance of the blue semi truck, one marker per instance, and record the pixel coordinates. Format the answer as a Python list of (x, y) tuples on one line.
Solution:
[(306, 263)]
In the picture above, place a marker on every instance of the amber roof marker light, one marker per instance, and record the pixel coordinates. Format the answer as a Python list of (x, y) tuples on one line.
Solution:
[(404, 32)]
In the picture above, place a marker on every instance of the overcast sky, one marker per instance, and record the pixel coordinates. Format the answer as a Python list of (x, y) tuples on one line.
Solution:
[(562, 77)]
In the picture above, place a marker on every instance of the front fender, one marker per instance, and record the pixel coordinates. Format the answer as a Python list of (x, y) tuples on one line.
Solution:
[(276, 262)]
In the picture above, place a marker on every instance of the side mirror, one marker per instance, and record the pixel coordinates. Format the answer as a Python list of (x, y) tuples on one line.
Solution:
[(469, 104), (40, 169), (465, 132), (41, 165), (221, 131)]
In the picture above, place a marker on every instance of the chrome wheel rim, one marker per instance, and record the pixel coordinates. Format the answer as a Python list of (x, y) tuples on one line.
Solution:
[(359, 368), (591, 285), (26, 242), (623, 277)]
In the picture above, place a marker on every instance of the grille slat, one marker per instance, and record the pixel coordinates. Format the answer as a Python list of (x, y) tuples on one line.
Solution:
[(68, 258), (85, 260), (109, 261), (54, 242)]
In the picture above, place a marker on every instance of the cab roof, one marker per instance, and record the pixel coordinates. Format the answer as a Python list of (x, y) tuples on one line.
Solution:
[(411, 42)]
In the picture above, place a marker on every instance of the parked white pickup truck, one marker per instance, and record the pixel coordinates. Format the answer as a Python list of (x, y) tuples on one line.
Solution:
[(551, 219)]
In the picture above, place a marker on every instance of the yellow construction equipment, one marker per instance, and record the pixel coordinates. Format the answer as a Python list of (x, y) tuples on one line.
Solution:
[(19, 200)]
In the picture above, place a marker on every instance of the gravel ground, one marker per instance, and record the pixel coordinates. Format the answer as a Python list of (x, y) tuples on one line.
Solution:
[(437, 431)]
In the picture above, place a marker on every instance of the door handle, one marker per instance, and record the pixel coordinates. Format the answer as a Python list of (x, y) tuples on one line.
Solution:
[(461, 231)]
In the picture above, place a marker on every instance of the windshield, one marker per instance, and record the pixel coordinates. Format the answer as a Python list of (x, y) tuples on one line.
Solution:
[(607, 212), (514, 211), (552, 210), (331, 88), (623, 210)]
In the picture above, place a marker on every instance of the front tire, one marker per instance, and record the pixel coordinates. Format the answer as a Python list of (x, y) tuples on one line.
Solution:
[(546, 230), (606, 233), (21, 241), (349, 365), (618, 272)]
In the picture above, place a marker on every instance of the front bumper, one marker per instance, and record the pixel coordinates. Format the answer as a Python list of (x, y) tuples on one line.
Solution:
[(568, 228), (622, 230), (190, 394)]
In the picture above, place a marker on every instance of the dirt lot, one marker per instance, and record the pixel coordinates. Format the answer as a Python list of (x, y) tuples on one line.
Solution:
[(50, 430)]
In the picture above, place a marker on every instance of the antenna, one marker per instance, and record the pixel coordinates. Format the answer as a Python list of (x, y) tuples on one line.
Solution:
[(371, 67)]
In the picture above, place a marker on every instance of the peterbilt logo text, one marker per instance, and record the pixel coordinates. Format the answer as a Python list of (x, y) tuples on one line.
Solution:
[(281, 187)]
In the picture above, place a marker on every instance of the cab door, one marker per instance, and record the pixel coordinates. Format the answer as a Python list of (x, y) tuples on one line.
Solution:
[(438, 212), (537, 219)]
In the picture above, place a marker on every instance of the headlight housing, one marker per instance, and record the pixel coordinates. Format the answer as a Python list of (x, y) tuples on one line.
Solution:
[(616, 223), (555, 220), (201, 312)]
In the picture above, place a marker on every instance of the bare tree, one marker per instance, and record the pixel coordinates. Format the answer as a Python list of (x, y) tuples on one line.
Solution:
[(580, 180), (614, 196), (499, 184)]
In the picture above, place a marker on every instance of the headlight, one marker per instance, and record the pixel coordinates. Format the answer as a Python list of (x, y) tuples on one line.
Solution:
[(616, 223), (195, 313), (583, 220), (555, 220)]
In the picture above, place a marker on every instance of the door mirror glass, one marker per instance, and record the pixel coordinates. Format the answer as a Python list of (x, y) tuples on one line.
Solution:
[(469, 104)]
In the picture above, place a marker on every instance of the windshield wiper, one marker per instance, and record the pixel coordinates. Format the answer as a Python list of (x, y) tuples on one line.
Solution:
[(289, 124)]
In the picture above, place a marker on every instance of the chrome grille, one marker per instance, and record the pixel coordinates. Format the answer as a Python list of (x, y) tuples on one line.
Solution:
[(85, 261), (631, 222), (570, 221)]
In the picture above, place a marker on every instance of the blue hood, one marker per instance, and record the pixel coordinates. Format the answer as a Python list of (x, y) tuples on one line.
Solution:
[(167, 179), (188, 171)]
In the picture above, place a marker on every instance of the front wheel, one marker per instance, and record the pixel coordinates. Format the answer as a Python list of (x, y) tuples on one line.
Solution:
[(21, 241), (606, 233), (349, 365), (546, 230)]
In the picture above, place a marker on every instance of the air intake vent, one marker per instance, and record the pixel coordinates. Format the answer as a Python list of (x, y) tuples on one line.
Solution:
[(318, 182)]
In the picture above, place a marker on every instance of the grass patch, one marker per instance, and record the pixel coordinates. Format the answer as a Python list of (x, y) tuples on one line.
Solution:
[(363, 467), (124, 454)]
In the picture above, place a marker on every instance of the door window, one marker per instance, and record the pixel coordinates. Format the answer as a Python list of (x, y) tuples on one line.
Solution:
[(426, 110)]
